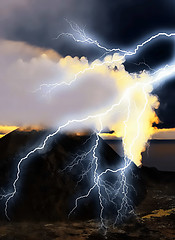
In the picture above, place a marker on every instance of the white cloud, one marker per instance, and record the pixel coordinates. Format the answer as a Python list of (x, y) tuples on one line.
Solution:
[(24, 68)]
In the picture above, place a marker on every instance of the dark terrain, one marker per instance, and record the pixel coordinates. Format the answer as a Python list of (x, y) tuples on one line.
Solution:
[(41, 207)]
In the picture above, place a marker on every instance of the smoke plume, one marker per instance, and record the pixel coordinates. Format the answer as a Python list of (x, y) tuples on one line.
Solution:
[(27, 100)]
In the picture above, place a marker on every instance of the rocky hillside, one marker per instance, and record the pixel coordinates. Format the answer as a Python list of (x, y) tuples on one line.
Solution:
[(44, 192)]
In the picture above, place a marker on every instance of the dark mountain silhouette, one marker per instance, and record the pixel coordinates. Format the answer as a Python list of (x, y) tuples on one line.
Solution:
[(44, 191)]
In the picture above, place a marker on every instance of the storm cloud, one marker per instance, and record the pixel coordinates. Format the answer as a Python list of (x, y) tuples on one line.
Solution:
[(120, 23)]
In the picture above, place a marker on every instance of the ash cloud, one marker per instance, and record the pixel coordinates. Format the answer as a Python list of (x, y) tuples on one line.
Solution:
[(24, 68)]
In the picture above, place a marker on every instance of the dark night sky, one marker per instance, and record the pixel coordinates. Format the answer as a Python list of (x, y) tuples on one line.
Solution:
[(120, 23)]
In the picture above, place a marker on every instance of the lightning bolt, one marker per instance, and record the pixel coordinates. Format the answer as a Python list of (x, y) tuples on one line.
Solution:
[(10, 195), (107, 192), (111, 191), (85, 39)]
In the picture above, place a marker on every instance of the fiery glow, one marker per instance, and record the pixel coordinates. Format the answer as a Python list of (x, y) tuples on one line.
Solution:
[(163, 133), (30, 128), (6, 129), (139, 124)]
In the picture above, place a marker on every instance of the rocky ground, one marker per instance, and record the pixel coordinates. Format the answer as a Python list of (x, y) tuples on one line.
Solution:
[(154, 219), (154, 228)]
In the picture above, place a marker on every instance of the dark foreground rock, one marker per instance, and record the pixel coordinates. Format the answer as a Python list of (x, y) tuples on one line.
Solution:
[(154, 220), (137, 229)]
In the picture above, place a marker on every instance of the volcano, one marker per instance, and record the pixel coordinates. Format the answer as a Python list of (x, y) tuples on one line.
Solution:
[(44, 191)]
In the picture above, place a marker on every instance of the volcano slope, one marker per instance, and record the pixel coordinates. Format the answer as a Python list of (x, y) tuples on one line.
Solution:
[(44, 191)]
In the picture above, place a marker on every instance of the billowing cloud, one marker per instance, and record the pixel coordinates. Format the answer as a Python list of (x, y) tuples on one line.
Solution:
[(25, 68)]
